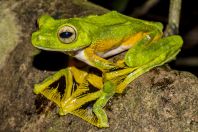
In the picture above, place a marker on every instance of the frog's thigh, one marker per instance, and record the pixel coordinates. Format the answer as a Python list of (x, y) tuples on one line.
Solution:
[(141, 69), (52, 93), (132, 76)]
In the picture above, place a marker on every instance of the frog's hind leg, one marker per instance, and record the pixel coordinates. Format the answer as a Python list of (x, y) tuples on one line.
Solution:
[(154, 62), (132, 76)]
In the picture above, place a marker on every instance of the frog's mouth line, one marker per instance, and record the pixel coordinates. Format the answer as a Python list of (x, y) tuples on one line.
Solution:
[(61, 50)]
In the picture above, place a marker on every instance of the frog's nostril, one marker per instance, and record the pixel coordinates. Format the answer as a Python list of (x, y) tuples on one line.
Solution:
[(36, 38), (39, 38)]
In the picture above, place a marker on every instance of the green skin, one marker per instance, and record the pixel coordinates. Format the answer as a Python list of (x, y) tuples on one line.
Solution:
[(98, 37)]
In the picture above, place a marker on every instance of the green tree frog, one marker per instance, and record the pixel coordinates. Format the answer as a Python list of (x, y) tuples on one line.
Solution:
[(91, 40)]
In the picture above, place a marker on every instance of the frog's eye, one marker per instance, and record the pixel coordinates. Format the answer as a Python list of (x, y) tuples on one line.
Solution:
[(67, 34)]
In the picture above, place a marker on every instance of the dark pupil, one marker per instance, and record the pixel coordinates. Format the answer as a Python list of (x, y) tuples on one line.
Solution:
[(65, 34)]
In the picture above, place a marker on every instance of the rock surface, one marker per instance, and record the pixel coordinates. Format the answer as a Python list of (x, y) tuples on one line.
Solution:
[(160, 100)]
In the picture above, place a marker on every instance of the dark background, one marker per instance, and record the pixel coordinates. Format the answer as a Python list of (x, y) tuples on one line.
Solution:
[(187, 60)]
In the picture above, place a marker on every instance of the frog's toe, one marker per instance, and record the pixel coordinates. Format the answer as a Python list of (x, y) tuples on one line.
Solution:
[(37, 89), (103, 124), (62, 112)]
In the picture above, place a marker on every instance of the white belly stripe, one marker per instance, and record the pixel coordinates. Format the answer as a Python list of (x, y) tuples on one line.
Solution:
[(115, 51), (81, 56)]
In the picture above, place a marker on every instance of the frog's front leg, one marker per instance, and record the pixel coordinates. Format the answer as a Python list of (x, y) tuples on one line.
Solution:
[(89, 56)]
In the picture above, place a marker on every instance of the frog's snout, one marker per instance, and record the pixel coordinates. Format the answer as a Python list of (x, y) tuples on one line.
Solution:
[(36, 39), (41, 41)]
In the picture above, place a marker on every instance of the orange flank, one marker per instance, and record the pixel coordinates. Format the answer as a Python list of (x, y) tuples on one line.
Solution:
[(129, 42), (106, 45)]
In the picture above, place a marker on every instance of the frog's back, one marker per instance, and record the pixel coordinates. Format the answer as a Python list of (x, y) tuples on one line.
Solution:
[(110, 18), (113, 18)]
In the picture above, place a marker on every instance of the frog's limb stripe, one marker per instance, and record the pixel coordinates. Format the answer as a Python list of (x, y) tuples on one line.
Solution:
[(155, 61)]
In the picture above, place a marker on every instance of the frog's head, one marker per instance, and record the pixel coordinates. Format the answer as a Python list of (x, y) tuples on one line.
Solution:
[(61, 35)]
